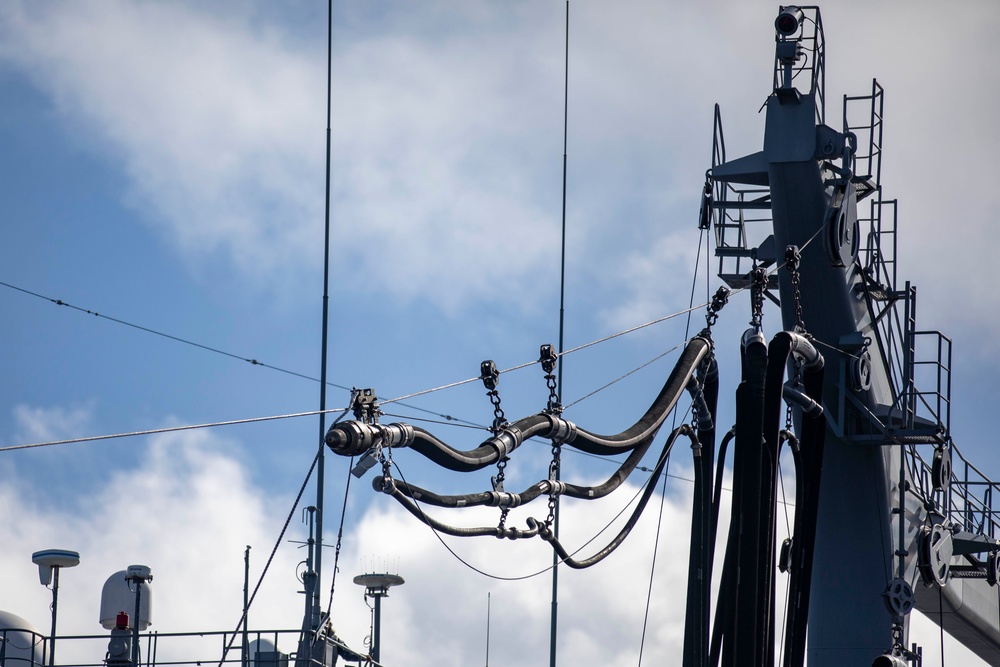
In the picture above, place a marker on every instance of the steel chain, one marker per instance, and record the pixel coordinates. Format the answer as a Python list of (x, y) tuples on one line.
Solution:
[(549, 358), (499, 419), (757, 287), (792, 259), (719, 300), (553, 477), (553, 406), (797, 383)]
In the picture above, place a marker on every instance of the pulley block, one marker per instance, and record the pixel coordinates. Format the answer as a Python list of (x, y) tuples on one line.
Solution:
[(861, 371), (841, 236), (992, 568), (785, 555), (936, 550), (899, 597), (941, 468)]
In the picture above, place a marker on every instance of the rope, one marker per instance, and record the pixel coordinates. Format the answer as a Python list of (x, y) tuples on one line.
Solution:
[(202, 346), (634, 370), (526, 364), (340, 537), (941, 620), (788, 529), (274, 550), (666, 472), (170, 429), (270, 558), (652, 567)]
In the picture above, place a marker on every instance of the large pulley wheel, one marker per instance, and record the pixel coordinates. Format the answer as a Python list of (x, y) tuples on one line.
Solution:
[(861, 371), (992, 568), (841, 235), (936, 550), (899, 597), (941, 468)]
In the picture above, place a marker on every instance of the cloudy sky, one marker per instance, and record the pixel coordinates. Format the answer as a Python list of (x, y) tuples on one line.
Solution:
[(163, 165)]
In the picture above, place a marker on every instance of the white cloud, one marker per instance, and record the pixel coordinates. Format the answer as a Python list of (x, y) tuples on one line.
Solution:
[(209, 117), (38, 424), (186, 508), (448, 128)]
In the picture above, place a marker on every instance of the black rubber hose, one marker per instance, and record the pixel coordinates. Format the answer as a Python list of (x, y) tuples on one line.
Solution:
[(741, 642), (483, 498), (650, 423), (807, 483), (699, 594), (496, 531), (497, 499), (547, 535), (353, 438)]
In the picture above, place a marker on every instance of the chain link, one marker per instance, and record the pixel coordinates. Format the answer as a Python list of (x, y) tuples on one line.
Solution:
[(490, 377), (719, 300), (797, 383), (757, 287), (553, 477), (499, 419), (792, 259), (548, 358)]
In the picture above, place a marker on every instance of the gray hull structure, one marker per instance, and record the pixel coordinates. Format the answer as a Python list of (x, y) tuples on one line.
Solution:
[(879, 551)]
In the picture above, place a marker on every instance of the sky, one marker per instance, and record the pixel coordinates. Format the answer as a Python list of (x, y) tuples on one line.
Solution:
[(163, 164)]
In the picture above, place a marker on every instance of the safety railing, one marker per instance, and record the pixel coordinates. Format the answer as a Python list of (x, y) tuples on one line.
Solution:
[(968, 501), (866, 167), (24, 648), (813, 65)]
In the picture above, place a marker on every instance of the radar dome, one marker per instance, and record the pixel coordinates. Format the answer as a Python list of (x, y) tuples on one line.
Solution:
[(24, 645), (119, 595), (264, 649)]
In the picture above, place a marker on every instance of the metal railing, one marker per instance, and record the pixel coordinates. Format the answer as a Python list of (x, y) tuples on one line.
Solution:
[(25, 648), (814, 62)]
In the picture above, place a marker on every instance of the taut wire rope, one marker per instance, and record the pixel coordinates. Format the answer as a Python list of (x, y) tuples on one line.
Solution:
[(274, 551), (663, 496)]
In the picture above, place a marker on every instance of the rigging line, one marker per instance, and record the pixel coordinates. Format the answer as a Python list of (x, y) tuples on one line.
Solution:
[(340, 536), (666, 472), (526, 364), (185, 341), (941, 619), (170, 429), (634, 370), (274, 550), (788, 530), (477, 427), (270, 558), (776, 267), (635, 328), (656, 547), (207, 348)]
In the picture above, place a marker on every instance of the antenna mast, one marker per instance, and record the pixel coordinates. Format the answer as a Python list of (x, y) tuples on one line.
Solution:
[(312, 595), (562, 312)]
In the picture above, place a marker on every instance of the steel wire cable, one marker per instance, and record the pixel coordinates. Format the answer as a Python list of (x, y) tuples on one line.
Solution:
[(202, 346), (666, 472), (169, 429), (274, 550)]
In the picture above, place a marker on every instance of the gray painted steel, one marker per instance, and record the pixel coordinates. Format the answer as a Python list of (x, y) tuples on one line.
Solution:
[(813, 205)]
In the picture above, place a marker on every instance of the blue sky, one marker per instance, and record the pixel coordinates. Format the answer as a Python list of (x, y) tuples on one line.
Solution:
[(163, 164)]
